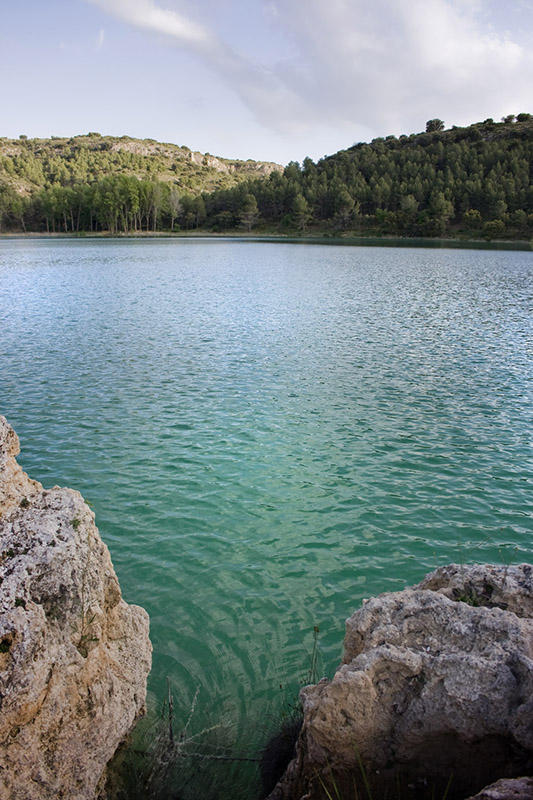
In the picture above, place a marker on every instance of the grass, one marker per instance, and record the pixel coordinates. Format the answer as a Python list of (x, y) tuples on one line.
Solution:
[(169, 760), (364, 790)]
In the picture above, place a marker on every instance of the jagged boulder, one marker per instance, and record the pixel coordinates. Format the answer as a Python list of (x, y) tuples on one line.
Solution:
[(435, 688), (74, 657)]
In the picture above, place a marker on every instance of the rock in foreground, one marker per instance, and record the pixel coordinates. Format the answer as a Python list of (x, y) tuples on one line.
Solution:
[(74, 657), (435, 688), (507, 789)]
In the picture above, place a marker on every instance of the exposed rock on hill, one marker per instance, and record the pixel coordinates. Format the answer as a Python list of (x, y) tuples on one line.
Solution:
[(74, 657), (435, 686), (30, 165)]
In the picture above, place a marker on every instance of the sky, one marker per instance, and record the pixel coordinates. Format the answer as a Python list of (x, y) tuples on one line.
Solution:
[(272, 80)]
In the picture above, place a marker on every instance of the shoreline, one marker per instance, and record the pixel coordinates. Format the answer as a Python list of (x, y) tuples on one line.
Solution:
[(272, 238)]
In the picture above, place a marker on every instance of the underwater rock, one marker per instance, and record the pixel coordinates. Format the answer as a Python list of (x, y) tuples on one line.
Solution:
[(74, 657), (435, 689)]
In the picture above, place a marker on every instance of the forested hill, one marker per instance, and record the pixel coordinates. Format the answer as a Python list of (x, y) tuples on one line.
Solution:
[(74, 184), (463, 181), (467, 182)]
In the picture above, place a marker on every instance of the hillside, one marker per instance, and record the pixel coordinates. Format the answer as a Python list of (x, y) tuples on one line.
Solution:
[(44, 181), (468, 181), (464, 182), (30, 164)]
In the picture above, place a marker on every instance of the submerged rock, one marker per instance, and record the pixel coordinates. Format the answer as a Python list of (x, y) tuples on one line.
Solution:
[(435, 689), (74, 657)]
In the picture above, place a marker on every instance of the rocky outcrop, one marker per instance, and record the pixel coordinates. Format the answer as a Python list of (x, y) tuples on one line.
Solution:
[(225, 165), (435, 688), (507, 789), (14, 483), (74, 657)]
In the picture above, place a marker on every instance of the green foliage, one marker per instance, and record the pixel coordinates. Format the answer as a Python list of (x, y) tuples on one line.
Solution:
[(494, 229), (249, 214), (434, 125), (472, 218), (432, 184), (95, 183), (300, 212), (436, 183)]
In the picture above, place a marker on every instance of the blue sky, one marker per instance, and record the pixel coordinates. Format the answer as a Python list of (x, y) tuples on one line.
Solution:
[(265, 79)]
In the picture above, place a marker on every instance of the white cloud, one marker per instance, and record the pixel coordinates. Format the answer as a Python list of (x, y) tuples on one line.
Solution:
[(146, 14), (260, 89), (101, 39), (388, 66), (394, 63)]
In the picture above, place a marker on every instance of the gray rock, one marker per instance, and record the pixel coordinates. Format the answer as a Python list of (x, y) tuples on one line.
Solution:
[(507, 789), (74, 657), (430, 689)]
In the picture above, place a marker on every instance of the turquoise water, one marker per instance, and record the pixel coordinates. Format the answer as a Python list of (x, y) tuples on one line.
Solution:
[(268, 433)]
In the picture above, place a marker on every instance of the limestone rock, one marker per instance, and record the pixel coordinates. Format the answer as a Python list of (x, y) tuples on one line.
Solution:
[(14, 483), (508, 588), (430, 689), (74, 657), (507, 789)]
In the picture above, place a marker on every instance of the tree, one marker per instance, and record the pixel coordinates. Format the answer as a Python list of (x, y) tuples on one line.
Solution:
[(300, 212), (407, 213), (494, 229), (249, 213), (175, 207), (441, 210), (7, 195), (345, 210), (199, 211), (472, 219), (434, 125)]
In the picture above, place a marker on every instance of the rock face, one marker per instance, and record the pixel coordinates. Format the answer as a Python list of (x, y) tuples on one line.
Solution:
[(14, 483), (435, 688), (74, 657)]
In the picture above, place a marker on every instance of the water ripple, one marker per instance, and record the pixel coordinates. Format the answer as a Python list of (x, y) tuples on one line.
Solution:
[(269, 433)]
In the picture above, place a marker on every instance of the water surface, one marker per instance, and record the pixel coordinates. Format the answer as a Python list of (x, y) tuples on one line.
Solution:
[(269, 433)]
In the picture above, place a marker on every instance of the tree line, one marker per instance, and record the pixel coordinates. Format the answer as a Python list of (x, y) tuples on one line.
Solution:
[(463, 181), (116, 204)]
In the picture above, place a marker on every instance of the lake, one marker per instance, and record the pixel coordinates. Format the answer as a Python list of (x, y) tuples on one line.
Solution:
[(268, 433)]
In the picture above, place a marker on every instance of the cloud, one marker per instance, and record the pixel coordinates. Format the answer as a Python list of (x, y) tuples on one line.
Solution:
[(100, 41), (260, 89), (383, 67), (146, 14)]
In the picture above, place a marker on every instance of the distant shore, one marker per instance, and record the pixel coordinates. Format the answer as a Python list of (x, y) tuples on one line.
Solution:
[(276, 238)]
